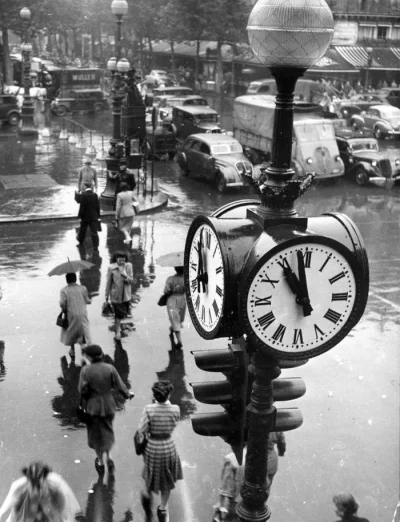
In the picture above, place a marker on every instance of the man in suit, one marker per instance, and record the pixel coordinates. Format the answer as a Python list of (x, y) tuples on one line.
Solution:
[(89, 214)]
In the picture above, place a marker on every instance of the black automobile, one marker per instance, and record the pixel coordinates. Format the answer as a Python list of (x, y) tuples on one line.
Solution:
[(360, 102), (363, 161), (9, 111), (76, 100)]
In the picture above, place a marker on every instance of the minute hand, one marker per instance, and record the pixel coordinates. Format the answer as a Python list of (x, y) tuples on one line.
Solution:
[(303, 299)]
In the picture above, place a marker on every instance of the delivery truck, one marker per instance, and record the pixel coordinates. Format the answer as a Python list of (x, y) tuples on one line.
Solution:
[(314, 147)]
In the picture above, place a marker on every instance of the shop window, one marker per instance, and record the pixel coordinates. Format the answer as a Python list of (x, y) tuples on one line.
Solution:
[(382, 33)]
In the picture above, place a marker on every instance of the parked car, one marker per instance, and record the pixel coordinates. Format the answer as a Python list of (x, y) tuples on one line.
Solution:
[(216, 157), (363, 161), (383, 120), (305, 90), (188, 120), (392, 95), (358, 103), (167, 103), (9, 111), (90, 100), (157, 74)]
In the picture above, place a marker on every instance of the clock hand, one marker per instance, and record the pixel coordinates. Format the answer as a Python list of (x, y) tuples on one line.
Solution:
[(303, 298), (292, 280), (200, 271)]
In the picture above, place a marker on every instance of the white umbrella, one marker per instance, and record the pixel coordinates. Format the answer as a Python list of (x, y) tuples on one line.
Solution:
[(173, 259)]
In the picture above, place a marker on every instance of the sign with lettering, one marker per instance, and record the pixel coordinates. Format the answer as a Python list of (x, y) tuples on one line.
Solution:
[(79, 77)]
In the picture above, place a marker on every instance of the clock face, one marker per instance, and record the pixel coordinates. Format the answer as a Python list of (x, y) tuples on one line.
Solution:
[(206, 278), (299, 300)]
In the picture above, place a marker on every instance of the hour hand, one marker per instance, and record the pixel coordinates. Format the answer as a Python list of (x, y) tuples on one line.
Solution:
[(292, 280), (303, 298)]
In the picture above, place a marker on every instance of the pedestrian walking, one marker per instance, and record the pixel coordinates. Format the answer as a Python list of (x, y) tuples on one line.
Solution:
[(125, 211), (232, 476), (73, 301), (346, 508), (162, 465), (40, 495), (87, 174), (89, 214), (176, 304), (96, 382), (119, 288)]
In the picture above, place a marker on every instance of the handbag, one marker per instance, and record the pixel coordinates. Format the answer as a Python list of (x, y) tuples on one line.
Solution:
[(136, 206), (163, 300), (107, 309), (62, 320), (81, 413), (140, 440)]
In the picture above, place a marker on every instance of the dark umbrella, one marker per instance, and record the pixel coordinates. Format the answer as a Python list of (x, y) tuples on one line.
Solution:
[(69, 267)]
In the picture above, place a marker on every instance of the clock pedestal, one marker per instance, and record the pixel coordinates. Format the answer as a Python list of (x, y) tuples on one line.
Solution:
[(261, 413)]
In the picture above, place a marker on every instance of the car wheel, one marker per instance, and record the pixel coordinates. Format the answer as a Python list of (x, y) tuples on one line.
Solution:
[(98, 108), (61, 110), (13, 119), (378, 133), (220, 183), (361, 177), (183, 165)]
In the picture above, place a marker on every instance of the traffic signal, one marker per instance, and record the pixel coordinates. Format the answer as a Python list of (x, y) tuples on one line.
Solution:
[(231, 393), (287, 389)]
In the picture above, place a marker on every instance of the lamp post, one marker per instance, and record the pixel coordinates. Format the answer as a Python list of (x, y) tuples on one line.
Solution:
[(27, 127), (118, 67), (369, 63), (288, 38)]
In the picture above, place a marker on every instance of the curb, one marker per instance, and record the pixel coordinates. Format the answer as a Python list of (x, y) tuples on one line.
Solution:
[(160, 203)]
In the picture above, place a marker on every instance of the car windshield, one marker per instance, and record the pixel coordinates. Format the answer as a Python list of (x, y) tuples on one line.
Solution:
[(206, 118), (253, 88), (226, 148), (364, 145), (314, 131)]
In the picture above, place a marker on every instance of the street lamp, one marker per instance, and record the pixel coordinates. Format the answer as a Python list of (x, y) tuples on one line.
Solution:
[(117, 67), (369, 64), (287, 37), (27, 127)]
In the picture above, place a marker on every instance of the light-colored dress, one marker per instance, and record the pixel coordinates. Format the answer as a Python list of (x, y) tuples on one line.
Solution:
[(162, 465), (124, 211), (176, 303), (58, 502), (73, 300)]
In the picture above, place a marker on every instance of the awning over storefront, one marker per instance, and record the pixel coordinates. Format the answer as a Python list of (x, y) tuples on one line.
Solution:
[(333, 62), (382, 58)]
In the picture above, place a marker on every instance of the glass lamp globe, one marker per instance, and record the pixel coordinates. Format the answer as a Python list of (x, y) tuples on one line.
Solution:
[(293, 33), (25, 14), (112, 64), (119, 7), (123, 65)]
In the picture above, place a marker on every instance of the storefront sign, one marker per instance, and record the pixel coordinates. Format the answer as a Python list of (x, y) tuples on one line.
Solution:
[(345, 33)]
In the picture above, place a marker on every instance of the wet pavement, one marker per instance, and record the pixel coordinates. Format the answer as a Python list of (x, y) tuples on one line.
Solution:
[(350, 437)]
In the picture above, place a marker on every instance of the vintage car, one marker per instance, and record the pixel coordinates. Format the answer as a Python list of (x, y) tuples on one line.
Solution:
[(383, 120), (166, 104), (88, 100), (391, 95), (187, 120), (156, 94), (363, 161), (218, 158), (358, 103), (9, 111)]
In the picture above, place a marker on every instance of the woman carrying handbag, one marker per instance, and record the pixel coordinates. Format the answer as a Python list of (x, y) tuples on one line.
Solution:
[(119, 288)]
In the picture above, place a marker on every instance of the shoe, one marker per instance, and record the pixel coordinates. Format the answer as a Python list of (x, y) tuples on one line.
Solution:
[(179, 346), (162, 514), (99, 467), (146, 503), (110, 465)]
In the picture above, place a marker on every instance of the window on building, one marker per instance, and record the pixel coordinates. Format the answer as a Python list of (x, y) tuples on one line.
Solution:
[(366, 32), (382, 33)]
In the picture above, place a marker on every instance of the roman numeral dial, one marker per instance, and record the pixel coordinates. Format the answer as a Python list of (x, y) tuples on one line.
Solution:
[(206, 279), (299, 299)]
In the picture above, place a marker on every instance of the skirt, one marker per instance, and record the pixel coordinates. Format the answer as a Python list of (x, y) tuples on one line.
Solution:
[(126, 223), (101, 433), (176, 308), (162, 465), (121, 310)]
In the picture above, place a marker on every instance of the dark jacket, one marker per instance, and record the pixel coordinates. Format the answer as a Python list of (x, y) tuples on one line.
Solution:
[(89, 209)]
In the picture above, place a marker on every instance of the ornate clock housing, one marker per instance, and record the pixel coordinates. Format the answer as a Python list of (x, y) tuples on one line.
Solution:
[(303, 295)]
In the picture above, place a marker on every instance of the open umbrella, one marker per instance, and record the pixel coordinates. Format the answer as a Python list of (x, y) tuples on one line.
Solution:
[(69, 267), (173, 259)]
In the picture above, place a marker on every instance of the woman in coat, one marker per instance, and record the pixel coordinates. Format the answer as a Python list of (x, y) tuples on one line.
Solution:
[(176, 303), (119, 288), (40, 494), (125, 212), (96, 382), (73, 301), (162, 465)]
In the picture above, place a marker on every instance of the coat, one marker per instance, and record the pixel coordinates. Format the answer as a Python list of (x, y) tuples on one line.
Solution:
[(89, 209), (73, 300), (96, 381), (117, 288), (124, 206)]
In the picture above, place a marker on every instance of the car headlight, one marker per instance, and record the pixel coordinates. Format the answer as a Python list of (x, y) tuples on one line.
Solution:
[(351, 160), (374, 163), (309, 160), (249, 169), (241, 169), (397, 162), (337, 158)]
